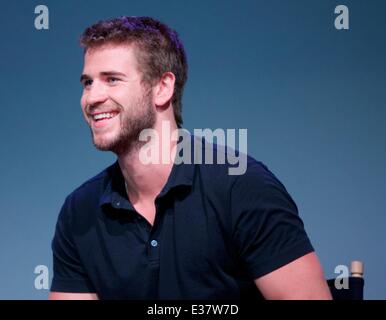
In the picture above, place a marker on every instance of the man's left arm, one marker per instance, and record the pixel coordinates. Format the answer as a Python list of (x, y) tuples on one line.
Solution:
[(271, 240), (301, 279)]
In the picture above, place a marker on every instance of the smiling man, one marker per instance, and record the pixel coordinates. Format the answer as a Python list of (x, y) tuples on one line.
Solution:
[(168, 230), (116, 104)]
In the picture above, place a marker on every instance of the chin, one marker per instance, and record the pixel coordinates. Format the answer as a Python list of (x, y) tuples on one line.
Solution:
[(104, 144)]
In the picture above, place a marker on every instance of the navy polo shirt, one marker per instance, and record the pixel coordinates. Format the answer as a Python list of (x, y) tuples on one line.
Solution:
[(213, 234)]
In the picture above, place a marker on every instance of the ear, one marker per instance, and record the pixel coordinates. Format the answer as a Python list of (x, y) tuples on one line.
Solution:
[(164, 90)]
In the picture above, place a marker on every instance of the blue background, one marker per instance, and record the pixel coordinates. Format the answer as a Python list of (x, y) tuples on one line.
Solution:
[(312, 99)]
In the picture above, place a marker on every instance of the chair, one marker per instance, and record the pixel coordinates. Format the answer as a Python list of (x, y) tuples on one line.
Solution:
[(354, 291)]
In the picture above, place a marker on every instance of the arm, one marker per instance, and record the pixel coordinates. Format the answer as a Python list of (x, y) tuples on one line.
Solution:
[(70, 281), (72, 296), (301, 279), (271, 239)]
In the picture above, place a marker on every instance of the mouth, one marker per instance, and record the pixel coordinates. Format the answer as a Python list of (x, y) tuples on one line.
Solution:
[(102, 119)]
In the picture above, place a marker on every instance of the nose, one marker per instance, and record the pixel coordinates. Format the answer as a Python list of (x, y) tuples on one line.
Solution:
[(96, 94)]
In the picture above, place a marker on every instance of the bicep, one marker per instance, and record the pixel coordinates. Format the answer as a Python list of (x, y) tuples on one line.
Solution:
[(301, 279), (72, 296), (70, 274)]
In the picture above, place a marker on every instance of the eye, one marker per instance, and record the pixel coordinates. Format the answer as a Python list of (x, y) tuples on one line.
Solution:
[(112, 80), (86, 83)]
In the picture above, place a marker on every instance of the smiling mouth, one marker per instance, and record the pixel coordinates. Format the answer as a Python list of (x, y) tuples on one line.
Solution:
[(101, 119)]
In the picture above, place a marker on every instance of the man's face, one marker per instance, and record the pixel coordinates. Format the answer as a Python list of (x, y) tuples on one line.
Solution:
[(115, 104)]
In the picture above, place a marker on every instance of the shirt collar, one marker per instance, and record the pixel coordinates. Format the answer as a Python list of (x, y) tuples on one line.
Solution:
[(114, 193)]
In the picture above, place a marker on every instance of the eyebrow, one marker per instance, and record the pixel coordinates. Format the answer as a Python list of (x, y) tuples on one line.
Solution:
[(104, 73)]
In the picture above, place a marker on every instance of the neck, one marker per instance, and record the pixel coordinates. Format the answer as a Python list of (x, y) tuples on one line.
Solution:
[(145, 181)]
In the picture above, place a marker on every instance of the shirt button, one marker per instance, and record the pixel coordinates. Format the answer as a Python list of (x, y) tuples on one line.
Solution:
[(154, 243), (118, 204)]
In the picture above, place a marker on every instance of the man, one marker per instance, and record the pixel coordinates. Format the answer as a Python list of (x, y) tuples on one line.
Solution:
[(163, 230)]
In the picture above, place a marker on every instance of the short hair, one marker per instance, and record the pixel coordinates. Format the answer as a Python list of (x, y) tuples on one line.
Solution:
[(157, 48)]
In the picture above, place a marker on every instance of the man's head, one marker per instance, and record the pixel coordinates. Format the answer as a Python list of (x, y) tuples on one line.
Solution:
[(125, 58)]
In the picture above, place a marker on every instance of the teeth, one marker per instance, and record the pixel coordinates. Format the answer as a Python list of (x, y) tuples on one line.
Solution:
[(104, 116)]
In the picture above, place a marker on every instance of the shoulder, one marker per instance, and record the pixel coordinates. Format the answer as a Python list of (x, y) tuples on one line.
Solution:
[(257, 177), (260, 187), (93, 186), (86, 197), (231, 169), (236, 177)]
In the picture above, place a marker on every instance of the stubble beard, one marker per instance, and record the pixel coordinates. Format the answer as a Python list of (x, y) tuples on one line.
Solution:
[(133, 119)]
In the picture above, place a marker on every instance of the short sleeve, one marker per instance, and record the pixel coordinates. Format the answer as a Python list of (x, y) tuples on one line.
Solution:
[(268, 231), (69, 274)]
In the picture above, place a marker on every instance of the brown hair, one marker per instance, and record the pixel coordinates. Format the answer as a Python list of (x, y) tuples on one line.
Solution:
[(159, 50)]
